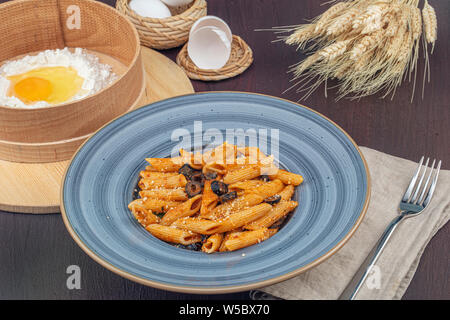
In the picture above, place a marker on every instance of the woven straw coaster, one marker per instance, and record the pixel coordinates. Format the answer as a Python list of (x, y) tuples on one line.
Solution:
[(241, 58)]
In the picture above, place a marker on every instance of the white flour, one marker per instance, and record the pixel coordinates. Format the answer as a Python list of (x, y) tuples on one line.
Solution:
[(95, 74)]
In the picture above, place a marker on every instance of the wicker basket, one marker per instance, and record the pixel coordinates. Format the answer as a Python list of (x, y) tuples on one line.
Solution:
[(169, 32)]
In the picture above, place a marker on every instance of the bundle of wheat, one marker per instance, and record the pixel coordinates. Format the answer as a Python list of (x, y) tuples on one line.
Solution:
[(368, 45)]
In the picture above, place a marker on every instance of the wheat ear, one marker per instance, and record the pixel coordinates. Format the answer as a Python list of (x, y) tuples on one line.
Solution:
[(373, 13), (366, 44), (301, 35), (334, 50), (327, 15), (429, 22), (343, 23)]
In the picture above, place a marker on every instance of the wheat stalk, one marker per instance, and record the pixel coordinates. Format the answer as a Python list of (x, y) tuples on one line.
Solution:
[(308, 62), (430, 31), (369, 46)]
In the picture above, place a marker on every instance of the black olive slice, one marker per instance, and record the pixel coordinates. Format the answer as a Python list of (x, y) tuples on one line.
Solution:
[(194, 246), (193, 188), (198, 177), (219, 188), (187, 171), (228, 196), (273, 199), (210, 175)]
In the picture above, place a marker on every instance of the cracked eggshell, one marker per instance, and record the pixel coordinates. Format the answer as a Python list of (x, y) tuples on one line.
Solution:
[(150, 8), (209, 47), (214, 22)]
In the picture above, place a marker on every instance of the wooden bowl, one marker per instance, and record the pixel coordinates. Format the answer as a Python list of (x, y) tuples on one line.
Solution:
[(53, 133)]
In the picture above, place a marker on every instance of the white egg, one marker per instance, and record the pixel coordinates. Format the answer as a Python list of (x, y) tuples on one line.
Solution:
[(150, 8), (174, 3)]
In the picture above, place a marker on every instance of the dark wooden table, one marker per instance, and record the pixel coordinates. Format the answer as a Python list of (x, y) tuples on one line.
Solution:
[(35, 250)]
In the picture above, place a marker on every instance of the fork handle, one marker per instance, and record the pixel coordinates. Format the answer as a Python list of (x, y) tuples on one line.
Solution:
[(360, 276)]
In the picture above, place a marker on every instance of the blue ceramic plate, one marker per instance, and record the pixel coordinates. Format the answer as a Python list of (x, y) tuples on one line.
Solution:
[(100, 180)]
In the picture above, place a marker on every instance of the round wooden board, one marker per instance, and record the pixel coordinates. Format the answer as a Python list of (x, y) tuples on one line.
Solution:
[(35, 187)]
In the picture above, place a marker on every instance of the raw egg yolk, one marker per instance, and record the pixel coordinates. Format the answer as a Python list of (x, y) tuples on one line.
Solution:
[(53, 85), (33, 89)]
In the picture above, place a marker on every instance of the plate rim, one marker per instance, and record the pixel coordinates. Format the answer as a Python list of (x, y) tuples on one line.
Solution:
[(213, 289)]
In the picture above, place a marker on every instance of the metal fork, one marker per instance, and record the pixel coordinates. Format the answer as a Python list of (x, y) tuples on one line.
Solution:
[(416, 198)]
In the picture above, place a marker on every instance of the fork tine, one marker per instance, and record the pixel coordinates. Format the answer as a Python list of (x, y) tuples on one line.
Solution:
[(433, 186), (425, 187), (412, 183), (419, 184)]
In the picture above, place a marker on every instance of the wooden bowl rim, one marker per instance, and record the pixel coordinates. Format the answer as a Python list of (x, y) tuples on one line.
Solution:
[(128, 67)]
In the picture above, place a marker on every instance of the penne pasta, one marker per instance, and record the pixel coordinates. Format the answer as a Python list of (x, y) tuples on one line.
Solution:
[(246, 173), (268, 189), (141, 214), (255, 155), (240, 240), (185, 209), (277, 212), (173, 235), (222, 154), (159, 205), (227, 236), (168, 182), (268, 168), (164, 164), (235, 166), (212, 244), (241, 218), (227, 208), (194, 160), (197, 225), (228, 198), (178, 194), (288, 177), (250, 159), (244, 186), (146, 174), (209, 200), (215, 167), (287, 192)]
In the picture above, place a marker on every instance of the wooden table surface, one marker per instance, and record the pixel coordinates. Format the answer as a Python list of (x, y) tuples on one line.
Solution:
[(35, 250)]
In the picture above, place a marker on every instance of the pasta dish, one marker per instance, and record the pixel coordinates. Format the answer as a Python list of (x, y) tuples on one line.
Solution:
[(221, 200)]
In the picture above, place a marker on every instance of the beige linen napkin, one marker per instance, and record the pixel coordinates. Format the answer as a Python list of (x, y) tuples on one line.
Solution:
[(398, 262)]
